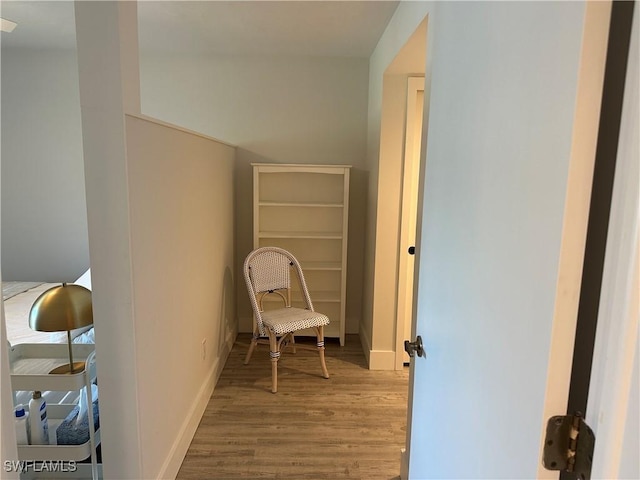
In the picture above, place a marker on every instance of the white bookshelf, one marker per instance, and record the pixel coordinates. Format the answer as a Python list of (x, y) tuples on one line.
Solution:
[(304, 209)]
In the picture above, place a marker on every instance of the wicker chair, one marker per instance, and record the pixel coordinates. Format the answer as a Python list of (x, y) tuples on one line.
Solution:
[(267, 271)]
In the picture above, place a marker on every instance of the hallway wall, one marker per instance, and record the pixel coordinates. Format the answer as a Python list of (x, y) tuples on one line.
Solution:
[(275, 109), (44, 211)]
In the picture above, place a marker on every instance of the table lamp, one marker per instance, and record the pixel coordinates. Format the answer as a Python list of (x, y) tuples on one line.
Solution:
[(64, 307)]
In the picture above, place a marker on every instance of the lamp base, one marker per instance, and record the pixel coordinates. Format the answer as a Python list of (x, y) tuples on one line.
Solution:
[(66, 370)]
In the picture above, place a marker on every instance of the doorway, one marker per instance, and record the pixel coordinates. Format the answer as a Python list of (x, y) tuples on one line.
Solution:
[(408, 215), (384, 346)]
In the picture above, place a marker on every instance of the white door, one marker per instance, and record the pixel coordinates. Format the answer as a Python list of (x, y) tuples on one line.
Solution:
[(410, 176), (502, 224)]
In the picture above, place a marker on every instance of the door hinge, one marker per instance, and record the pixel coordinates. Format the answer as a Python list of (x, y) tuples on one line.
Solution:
[(568, 445)]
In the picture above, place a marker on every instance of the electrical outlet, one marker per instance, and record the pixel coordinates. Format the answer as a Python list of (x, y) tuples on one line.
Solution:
[(204, 348)]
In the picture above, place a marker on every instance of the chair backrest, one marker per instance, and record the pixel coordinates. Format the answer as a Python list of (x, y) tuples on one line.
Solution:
[(268, 270)]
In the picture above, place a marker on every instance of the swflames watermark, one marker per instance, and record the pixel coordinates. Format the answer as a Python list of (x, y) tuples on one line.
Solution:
[(38, 466)]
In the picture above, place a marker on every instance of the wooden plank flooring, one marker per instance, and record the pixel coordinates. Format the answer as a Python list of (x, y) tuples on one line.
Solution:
[(350, 426)]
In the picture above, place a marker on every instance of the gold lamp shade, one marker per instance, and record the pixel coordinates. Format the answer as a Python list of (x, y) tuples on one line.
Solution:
[(59, 309)]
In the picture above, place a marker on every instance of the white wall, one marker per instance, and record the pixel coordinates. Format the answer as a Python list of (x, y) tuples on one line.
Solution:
[(629, 468), (275, 109), (309, 109), (181, 197), (44, 219)]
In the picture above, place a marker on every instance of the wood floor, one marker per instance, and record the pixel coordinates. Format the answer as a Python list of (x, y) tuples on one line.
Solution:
[(350, 426)]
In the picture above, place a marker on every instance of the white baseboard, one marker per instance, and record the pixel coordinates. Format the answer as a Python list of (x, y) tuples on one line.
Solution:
[(382, 360), (376, 359), (179, 449)]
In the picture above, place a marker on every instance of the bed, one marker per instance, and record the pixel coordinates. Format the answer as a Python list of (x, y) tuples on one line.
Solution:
[(18, 298)]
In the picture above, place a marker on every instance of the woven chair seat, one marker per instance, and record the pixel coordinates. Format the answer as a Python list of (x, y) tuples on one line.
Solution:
[(285, 320)]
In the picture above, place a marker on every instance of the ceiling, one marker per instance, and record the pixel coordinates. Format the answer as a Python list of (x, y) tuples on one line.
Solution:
[(237, 27)]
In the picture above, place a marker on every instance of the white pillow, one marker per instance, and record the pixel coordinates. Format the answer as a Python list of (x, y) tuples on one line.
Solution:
[(61, 337), (84, 279), (87, 337)]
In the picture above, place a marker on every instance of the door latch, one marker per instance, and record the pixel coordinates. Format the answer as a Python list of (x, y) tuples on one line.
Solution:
[(413, 348)]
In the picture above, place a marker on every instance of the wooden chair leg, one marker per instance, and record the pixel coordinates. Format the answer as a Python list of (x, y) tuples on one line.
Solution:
[(275, 356), (252, 346), (320, 344)]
